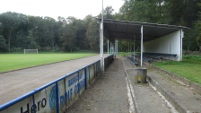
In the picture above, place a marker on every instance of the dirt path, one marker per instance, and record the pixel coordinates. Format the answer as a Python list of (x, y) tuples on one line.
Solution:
[(16, 83)]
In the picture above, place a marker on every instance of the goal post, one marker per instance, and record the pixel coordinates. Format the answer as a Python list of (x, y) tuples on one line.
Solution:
[(30, 51)]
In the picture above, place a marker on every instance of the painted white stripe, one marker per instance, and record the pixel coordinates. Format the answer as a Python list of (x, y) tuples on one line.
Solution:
[(130, 100), (133, 104), (169, 105), (133, 95)]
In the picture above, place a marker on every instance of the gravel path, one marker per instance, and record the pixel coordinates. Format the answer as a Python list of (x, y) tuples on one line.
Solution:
[(105, 95)]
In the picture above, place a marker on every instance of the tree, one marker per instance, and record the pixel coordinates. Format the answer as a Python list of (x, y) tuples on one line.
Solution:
[(145, 10), (50, 31), (8, 21), (3, 45), (69, 35), (108, 12), (93, 36), (197, 31)]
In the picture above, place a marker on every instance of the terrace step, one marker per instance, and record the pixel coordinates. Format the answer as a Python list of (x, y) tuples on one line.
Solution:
[(182, 97), (147, 100), (111, 94)]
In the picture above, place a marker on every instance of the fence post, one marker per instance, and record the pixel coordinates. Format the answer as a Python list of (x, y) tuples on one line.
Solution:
[(78, 87), (34, 103), (57, 97)]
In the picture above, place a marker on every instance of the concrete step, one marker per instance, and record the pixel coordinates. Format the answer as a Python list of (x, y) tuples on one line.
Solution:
[(146, 99), (183, 98), (186, 98), (118, 92)]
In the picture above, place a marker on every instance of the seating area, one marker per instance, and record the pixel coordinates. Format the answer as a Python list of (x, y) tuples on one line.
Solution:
[(131, 59), (158, 56), (145, 58), (150, 57)]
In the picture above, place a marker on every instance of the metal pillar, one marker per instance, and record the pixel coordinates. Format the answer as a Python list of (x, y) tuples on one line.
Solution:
[(181, 43), (101, 41), (108, 46), (134, 49), (116, 47), (130, 46), (141, 45)]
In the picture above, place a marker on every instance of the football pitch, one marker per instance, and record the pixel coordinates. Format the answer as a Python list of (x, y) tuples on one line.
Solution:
[(9, 62)]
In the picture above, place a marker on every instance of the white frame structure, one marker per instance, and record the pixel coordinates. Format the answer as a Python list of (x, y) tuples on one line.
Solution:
[(36, 51)]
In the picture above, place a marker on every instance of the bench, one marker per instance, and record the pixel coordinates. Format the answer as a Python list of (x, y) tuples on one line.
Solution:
[(158, 56), (132, 60)]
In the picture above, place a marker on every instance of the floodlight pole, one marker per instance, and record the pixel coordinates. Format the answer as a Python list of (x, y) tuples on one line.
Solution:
[(101, 41)]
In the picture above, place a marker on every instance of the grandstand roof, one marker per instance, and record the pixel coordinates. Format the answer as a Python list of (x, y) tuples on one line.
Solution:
[(115, 29)]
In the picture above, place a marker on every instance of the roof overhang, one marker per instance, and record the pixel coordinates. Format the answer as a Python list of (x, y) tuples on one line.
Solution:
[(115, 29)]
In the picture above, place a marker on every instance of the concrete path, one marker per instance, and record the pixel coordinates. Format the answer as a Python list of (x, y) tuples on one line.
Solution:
[(116, 93), (16, 83)]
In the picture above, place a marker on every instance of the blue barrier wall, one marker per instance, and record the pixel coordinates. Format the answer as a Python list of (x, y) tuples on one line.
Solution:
[(56, 96)]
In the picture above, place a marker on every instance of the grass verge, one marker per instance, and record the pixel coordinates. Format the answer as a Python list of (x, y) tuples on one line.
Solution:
[(189, 68), (10, 62)]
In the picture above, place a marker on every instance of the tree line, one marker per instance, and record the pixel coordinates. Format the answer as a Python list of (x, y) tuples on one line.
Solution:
[(19, 31)]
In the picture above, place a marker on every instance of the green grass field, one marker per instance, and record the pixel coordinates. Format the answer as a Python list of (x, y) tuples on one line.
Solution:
[(10, 62), (189, 68)]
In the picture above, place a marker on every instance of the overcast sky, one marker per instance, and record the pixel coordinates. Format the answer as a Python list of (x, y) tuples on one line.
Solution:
[(55, 8)]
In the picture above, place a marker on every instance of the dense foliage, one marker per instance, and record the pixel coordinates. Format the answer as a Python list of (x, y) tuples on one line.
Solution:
[(19, 31)]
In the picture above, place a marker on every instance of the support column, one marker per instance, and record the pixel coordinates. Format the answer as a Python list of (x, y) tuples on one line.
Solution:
[(101, 41), (134, 49), (108, 46), (116, 47), (181, 44), (130, 46), (111, 48), (141, 45)]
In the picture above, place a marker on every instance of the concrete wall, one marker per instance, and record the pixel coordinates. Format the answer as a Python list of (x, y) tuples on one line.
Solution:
[(168, 44)]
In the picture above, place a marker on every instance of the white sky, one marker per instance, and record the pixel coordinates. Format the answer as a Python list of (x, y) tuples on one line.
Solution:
[(55, 8)]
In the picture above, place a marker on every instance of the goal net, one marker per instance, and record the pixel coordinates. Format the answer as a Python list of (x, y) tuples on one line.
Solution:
[(30, 51)]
